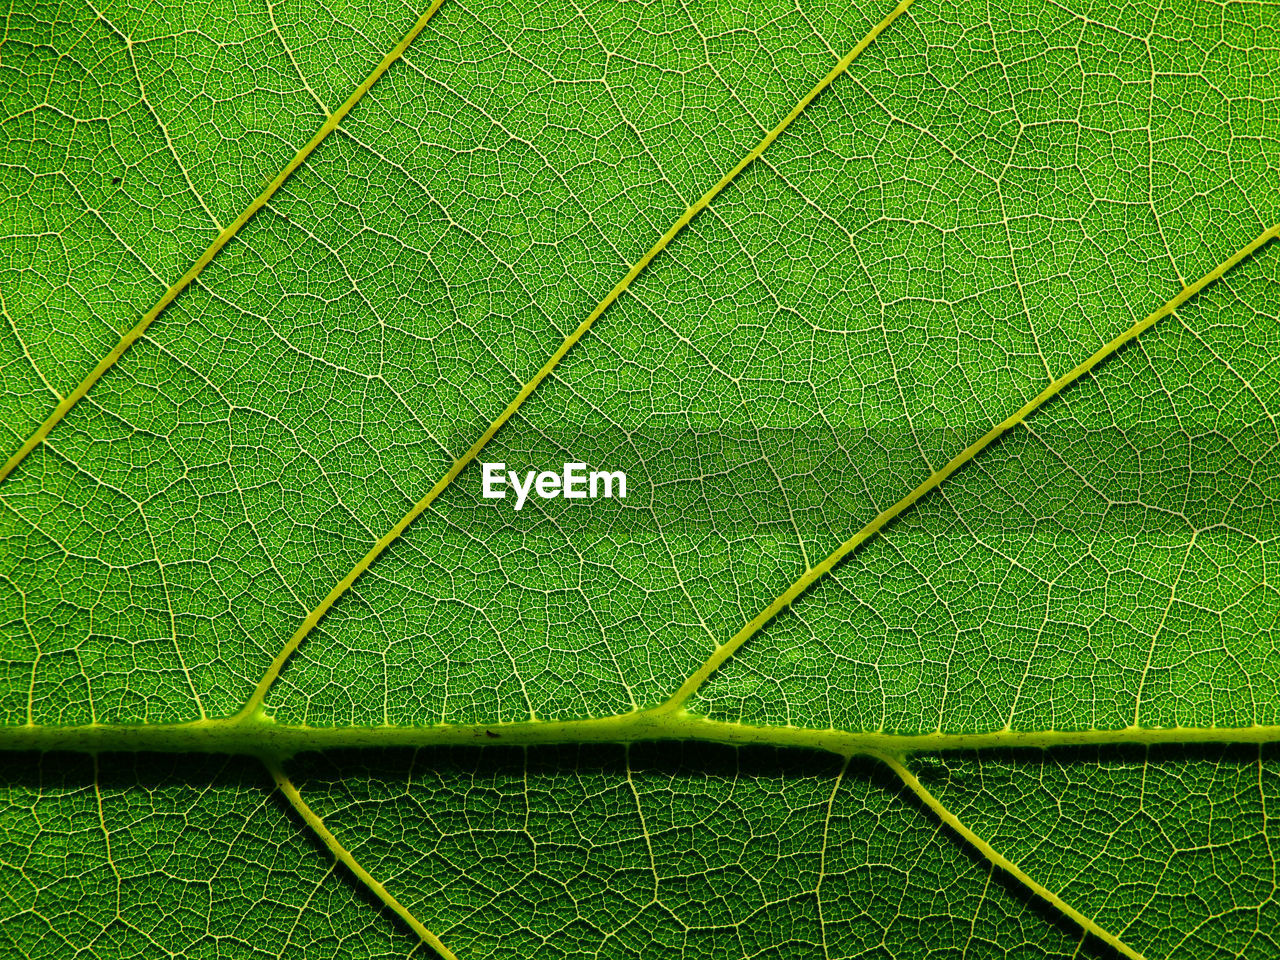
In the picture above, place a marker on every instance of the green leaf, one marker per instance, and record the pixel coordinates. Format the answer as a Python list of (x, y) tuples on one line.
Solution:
[(940, 347)]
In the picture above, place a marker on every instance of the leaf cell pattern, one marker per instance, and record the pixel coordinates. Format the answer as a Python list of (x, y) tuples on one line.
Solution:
[(390, 222)]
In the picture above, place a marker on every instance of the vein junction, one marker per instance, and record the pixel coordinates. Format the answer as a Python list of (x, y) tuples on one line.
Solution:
[(812, 575)]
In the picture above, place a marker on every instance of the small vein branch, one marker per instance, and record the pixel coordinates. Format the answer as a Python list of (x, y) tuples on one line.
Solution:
[(1000, 860), (728, 649), (221, 240), (316, 823), (269, 678)]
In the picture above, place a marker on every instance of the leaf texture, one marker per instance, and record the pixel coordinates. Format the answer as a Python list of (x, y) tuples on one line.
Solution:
[(985, 198)]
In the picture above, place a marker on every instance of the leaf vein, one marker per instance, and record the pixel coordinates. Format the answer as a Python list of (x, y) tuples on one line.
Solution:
[(873, 527)]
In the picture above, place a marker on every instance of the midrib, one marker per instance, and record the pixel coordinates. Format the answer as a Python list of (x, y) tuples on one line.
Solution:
[(257, 734)]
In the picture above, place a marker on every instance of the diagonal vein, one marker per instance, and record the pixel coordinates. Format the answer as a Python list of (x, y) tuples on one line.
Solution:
[(341, 853), (1000, 860), (752, 627), (221, 240), (269, 678)]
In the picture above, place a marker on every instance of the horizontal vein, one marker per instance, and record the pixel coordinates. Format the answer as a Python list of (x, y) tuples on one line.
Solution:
[(1003, 862), (223, 238), (724, 652), (258, 735), (619, 288), (316, 823)]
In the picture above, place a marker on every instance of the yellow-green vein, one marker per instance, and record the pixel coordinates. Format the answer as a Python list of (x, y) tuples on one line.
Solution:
[(221, 240), (261, 736), (1000, 860), (312, 618), (316, 823), (810, 576)]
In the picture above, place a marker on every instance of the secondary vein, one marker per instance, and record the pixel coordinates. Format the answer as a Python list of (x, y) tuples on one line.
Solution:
[(221, 240), (789, 596), (1001, 861), (312, 618), (316, 823)]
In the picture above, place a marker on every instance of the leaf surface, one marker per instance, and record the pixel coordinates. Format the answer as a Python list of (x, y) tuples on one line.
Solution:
[(891, 299)]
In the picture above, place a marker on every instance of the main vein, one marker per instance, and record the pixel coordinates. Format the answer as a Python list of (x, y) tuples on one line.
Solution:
[(312, 618), (221, 240), (259, 735), (728, 649)]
